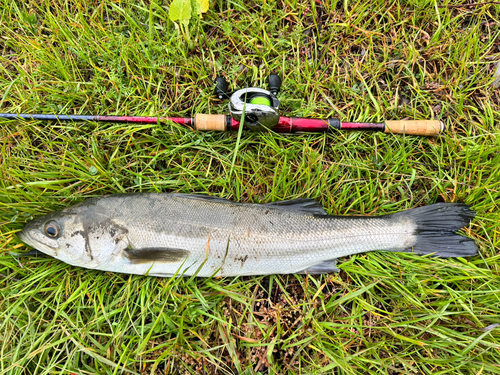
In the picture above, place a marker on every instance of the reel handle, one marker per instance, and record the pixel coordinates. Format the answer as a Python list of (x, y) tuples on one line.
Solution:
[(274, 84)]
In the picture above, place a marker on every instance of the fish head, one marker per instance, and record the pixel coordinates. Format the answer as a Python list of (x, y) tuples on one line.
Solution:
[(81, 235)]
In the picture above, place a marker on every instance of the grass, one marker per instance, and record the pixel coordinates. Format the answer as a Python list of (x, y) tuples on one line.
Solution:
[(373, 60)]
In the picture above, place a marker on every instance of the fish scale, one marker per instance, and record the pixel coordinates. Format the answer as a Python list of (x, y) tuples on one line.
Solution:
[(166, 234)]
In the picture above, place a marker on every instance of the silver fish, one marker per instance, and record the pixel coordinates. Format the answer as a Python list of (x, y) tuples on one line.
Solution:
[(180, 234)]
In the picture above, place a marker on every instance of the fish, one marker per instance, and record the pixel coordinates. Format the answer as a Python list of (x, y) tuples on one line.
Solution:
[(172, 234)]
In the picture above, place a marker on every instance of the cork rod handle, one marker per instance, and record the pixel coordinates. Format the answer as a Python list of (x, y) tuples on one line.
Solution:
[(414, 127), (210, 122)]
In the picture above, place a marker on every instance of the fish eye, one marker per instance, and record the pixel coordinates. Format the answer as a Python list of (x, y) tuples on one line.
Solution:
[(52, 229)]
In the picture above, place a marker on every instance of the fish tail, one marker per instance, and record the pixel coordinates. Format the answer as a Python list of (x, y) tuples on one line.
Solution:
[(435, 230)]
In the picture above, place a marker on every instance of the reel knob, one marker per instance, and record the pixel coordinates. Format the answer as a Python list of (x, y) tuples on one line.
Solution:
[(274, 81), (221, 87)]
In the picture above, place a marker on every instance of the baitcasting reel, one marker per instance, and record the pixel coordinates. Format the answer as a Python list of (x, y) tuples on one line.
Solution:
[(256, 107)]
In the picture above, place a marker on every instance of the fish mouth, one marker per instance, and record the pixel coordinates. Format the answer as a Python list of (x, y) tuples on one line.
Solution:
[(27, 239)]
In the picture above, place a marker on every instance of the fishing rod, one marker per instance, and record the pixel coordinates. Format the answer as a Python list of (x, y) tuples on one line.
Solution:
[(258, 110)]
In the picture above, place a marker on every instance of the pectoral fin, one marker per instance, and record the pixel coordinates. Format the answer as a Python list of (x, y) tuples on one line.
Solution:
[(161, 254)]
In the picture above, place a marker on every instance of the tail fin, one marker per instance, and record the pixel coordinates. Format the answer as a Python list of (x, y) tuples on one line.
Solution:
[(435, 230)]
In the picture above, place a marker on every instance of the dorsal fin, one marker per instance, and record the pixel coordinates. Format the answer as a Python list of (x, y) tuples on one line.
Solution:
[(202, 197), (302, 204)]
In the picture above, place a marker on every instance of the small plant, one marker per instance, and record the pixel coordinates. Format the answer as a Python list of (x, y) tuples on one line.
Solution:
[(182, 10)]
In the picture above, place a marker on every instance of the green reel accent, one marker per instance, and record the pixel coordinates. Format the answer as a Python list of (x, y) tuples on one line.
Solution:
[(260, 100)]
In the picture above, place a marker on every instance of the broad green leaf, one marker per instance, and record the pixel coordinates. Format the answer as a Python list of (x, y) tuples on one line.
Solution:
[(201, 6), (180, 10)]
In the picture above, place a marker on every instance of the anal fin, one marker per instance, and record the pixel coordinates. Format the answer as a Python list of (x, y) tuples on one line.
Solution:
[(328, 266)]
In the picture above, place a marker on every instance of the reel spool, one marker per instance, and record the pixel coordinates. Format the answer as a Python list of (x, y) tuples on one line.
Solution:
[(256, 107)]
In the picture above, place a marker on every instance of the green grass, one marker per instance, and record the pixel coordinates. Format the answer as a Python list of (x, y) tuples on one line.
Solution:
[(373, 60)]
